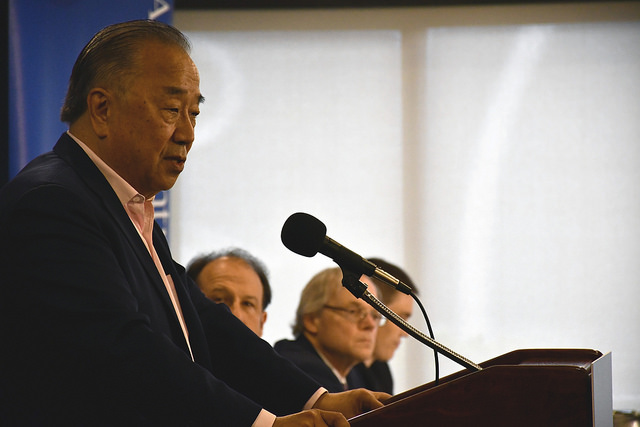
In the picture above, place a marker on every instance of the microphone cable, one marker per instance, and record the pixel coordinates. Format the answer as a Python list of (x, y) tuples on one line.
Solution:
[(435, 353)]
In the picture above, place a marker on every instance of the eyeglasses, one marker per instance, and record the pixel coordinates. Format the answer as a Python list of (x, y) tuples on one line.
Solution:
[(356, 315)]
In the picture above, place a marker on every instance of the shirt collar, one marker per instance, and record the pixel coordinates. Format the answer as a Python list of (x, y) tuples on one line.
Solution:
[(341, 378), (125, 192)]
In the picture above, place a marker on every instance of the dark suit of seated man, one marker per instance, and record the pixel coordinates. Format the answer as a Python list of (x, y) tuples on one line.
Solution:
[(99, 325), (334, 331)]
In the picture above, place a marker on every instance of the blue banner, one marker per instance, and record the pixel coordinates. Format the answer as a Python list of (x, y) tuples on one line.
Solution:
[(45, 37)]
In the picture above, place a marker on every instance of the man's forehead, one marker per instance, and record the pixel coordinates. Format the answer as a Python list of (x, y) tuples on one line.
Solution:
[(237, 290), (235, 282), (179, 91), (344, 296)]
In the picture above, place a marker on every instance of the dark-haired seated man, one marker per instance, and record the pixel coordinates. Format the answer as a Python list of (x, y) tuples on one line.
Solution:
[(375, 371)]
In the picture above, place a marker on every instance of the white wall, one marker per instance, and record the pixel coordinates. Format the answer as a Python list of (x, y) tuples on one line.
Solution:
[(493, 151)]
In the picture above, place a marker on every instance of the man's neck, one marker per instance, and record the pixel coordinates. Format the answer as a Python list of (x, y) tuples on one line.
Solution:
[(339, 365)]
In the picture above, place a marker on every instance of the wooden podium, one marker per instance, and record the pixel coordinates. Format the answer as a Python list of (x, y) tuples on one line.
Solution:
[(541, 388)]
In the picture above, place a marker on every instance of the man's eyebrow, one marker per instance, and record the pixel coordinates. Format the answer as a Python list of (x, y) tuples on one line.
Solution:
[(174, 90)]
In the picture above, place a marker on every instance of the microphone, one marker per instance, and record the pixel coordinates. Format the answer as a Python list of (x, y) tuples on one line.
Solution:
[(306, 235)]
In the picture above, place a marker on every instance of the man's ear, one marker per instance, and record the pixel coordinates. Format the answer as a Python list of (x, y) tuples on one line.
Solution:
[(263, 318), (98, 105), (310, 322)]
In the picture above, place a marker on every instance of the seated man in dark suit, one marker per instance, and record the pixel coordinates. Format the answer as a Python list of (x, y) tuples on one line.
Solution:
[(237, 279), (334, 331), (99, 325)]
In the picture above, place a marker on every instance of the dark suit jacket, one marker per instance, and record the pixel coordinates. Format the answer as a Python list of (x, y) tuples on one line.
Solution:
[(88, 332), (376, 377), (301, 352)]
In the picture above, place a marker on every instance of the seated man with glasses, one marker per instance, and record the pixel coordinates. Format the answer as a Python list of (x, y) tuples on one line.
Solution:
[(334, 332)]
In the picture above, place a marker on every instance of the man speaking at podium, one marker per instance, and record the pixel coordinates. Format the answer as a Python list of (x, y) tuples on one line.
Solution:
[(99, 325)]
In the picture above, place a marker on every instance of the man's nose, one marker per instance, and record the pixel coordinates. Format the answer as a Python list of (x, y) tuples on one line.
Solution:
[(371, 320), (185, 130)]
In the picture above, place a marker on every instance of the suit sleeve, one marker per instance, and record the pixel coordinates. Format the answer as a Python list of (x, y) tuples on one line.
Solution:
[(249, 364)]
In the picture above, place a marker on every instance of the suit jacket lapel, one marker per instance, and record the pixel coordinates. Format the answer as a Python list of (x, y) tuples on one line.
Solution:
[(71, 152), (197, 338)]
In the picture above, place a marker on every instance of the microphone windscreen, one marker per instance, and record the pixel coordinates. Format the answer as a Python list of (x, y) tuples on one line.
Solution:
[(303, 234)]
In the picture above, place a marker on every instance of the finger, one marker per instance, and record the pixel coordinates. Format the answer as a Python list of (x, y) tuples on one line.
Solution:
[(334, 419), (369, 400), (381, 396)]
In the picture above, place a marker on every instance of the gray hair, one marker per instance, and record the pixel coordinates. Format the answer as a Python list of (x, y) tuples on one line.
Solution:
[(109, 58), (315, 295)]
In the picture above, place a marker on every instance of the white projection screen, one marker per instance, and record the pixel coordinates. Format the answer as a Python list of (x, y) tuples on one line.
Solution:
[(493, 152)]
